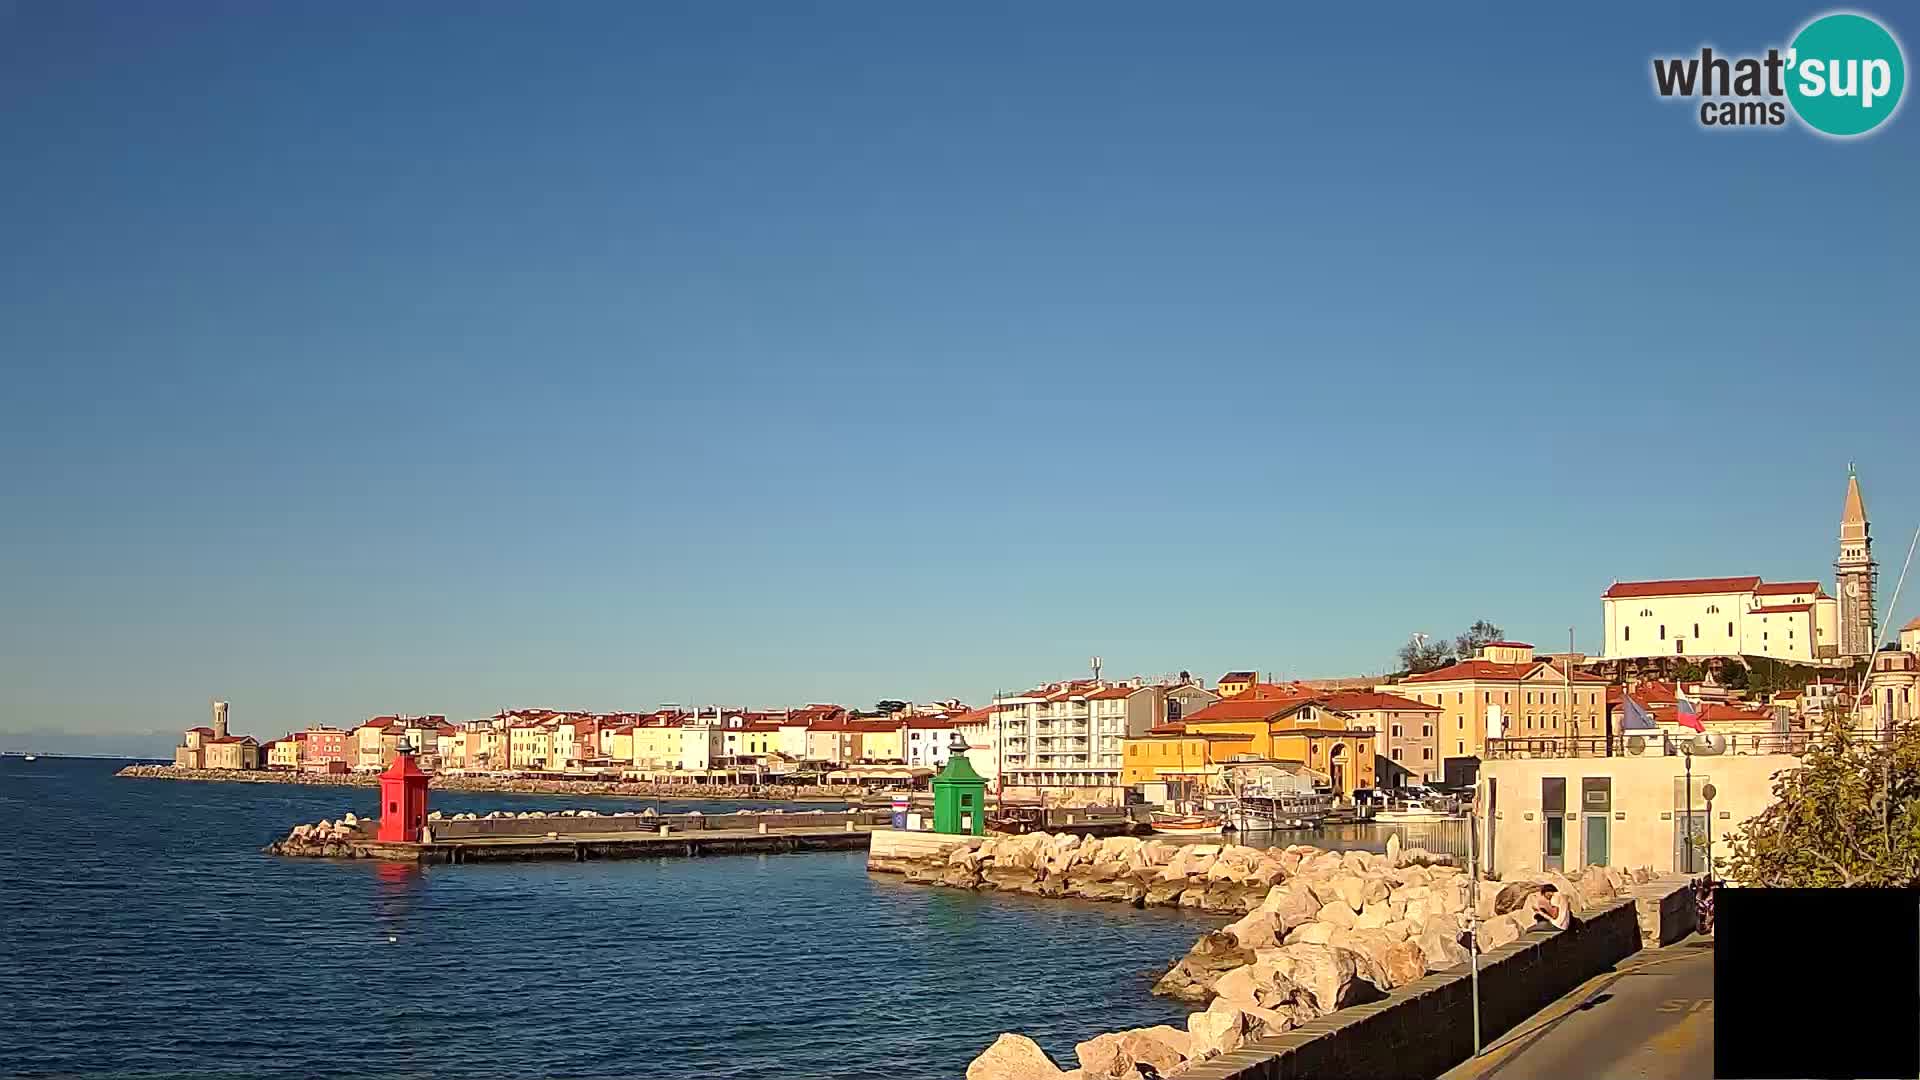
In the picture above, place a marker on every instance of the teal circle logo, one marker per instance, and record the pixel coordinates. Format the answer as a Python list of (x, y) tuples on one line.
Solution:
[(1845, 73)]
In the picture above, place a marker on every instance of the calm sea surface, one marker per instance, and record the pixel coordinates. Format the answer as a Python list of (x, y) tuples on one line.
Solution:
[(143, 933)]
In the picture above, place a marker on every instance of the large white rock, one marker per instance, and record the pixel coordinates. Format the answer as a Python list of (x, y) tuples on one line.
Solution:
[(1352, 891), (1337, 913), (1255, 930), (1313, 933), (1329, 974), (1393, 849), (1218, 1029), (1014, 1057)]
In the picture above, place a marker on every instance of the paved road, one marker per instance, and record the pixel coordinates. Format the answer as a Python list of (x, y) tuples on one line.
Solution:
[(1651, 1019)]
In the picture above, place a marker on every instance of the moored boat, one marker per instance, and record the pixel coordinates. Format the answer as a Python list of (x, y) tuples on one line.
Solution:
[(1189, 824)]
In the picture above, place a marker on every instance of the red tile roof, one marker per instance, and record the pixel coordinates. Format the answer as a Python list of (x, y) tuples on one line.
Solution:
[(1360, 700), (1171, 727), (1914, 625), (873, 726), (1493, 672), (1240, 676), (1777, 588), (1681, 587), (1780, 609), (202, 730), (931, 723), (1724, 713), (1265, 691), (1245, 707), (1509, 645), (234, 739), (1112, 692)]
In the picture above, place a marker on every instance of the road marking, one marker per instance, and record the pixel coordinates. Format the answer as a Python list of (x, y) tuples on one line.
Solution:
[(1494, 1057), (1685, 1005)]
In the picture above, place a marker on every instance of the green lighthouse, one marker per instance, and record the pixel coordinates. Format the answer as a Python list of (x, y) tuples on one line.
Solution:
[(959, 794)]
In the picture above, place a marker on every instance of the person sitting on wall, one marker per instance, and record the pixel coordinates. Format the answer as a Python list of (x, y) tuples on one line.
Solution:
[(1549, 907)]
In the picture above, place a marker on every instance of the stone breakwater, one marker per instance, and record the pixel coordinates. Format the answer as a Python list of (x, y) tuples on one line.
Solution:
[(1319, 931), (634, 789)]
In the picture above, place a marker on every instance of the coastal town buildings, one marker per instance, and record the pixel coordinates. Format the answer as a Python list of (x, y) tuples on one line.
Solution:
[(283, 753), (324, 749), (1064, 737), (1503, 690), (231, 752), (1406, 734)]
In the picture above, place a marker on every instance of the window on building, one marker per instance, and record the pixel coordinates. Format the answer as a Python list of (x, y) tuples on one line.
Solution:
[(1460, 722), (1396, 731), (1460, 698), (1626, 633), (1713, 609), (1696, 629), (1426, 731), (1396, 753), (1729, 629), (1426, 753), (1506, 697), (1646, 613), (1460, 747), (1663, 631)]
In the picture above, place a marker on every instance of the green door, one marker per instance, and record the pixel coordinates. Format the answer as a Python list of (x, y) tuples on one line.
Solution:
[(1597, 837)]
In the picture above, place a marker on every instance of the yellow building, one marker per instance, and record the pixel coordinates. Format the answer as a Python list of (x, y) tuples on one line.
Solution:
[(657, 745), (1299, 730), (1506, 691), (1235, 682), (617, 743), (376, 742), (284, 753), (879, 741), (1169, 752), (529, 747)]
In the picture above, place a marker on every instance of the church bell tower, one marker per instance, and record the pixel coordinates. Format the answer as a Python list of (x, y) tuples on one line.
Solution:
[(1854, 573)]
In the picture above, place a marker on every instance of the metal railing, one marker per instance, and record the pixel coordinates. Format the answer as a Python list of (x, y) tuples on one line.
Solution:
[(1658, 744)]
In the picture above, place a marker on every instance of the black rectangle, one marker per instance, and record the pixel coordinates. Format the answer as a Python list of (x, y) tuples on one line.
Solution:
[(1553, 794), (1856, 950)]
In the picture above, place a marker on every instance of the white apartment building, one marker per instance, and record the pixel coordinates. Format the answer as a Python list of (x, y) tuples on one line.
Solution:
[(1063, 735), (702, 742), (1721, 617)]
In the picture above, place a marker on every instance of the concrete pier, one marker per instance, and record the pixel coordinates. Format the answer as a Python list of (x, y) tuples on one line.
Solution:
[(580, 839)]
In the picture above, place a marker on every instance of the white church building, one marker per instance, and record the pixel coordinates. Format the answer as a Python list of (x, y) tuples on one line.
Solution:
[(1744, 616)]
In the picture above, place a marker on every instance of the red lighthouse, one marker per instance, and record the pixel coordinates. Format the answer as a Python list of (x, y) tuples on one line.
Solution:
[(403, 799)]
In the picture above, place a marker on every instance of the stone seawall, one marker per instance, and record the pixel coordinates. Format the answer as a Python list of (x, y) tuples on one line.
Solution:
[(1320, 933), (635, 789), (1424, 1028)]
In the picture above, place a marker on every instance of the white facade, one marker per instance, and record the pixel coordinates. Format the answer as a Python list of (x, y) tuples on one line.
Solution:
[(1720, 617), (928, 746), (701, 742), (1065, 735)]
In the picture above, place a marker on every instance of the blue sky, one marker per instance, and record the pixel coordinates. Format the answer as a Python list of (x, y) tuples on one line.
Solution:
[(446, 357)]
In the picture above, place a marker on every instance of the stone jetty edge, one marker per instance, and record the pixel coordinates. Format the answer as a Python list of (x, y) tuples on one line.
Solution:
[(611, 788), (1331, 947)]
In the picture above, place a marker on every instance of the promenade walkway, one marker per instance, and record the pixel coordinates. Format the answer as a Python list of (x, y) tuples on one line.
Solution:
[(1649, 1019)]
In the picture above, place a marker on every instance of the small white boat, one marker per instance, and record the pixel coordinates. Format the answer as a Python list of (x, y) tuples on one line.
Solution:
[(1414, 810), (30, 757)]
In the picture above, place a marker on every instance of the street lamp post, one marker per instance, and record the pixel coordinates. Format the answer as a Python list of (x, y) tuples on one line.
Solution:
[(1686, 751)]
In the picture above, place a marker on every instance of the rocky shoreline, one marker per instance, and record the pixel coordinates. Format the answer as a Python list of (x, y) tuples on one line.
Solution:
[(636, 789), (1319, 931)]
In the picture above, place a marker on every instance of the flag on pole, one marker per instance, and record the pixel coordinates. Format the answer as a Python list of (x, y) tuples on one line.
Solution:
[(1687, 711), (1637, 717)]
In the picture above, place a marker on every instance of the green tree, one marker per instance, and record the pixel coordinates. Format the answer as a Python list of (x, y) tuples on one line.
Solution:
[(888, 706), (1421, 655), (1482, 632), (1848, 816), (1688, 672)]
